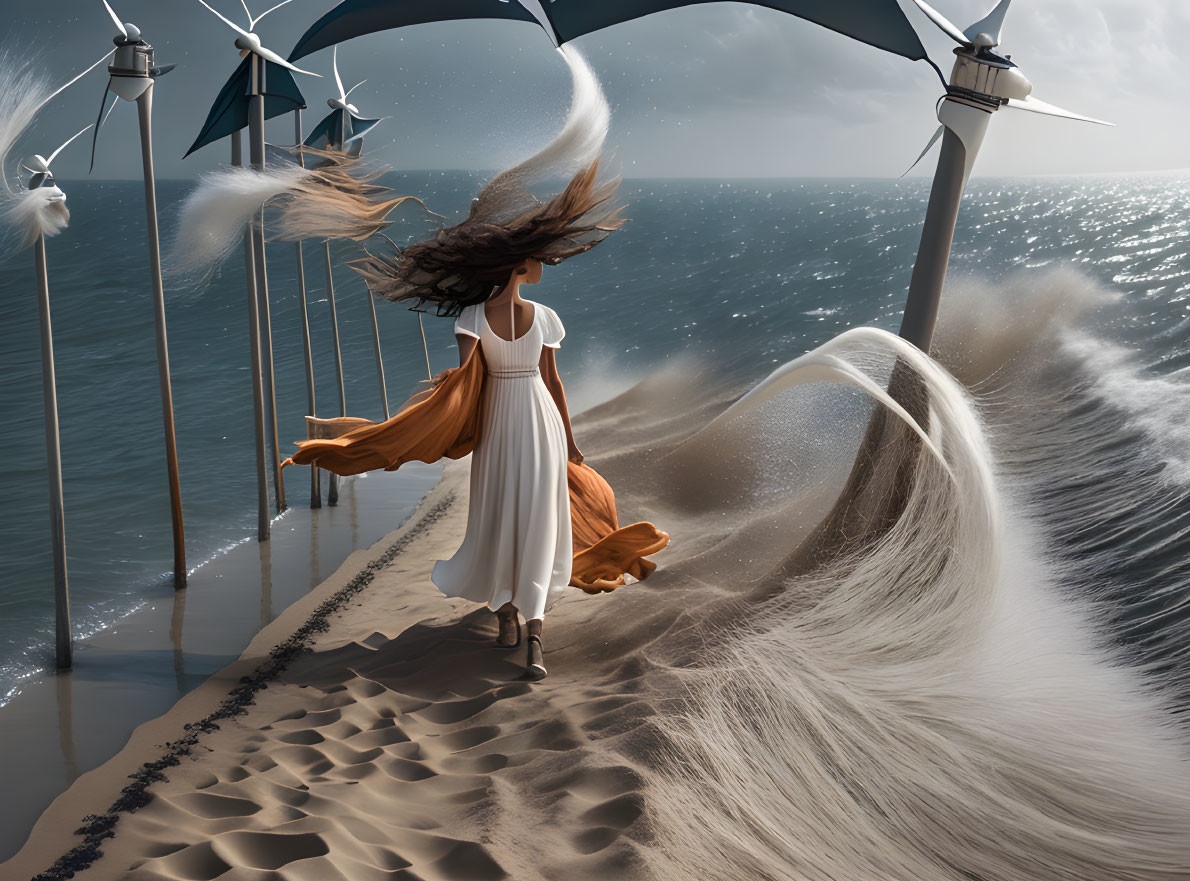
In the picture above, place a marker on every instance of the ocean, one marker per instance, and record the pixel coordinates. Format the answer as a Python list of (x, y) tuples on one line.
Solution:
[(736, 276)]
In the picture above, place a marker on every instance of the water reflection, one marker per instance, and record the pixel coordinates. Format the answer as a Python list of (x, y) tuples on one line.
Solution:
[(176, 620), (65, 684)]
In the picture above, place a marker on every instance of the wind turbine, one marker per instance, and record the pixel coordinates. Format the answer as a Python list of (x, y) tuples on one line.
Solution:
[(228, 116), (41, 177), (133, 75), (39, 167), (329, 132), (343, 129), (981, 82)]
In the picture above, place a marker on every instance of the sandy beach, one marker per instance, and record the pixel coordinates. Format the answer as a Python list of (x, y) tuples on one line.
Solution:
[(405, 744)]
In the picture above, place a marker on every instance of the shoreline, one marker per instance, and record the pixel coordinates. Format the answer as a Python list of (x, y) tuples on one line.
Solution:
[(53, 848), (62, 724)]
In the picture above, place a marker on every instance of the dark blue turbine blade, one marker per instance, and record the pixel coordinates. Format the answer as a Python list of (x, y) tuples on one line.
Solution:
[(229, 113), (354, 18), (360, 127), (326, 134), (879, 23)]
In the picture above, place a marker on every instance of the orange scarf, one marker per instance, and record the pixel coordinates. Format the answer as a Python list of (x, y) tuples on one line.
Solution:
[(443, 422)]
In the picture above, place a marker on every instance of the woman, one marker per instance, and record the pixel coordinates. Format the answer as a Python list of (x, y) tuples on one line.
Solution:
[(539, 519), (516, 555)]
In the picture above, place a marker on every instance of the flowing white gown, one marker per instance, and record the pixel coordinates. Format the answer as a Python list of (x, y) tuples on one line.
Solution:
[(518, 543)]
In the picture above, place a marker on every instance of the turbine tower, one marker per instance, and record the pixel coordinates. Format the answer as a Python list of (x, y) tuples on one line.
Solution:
[(41, 177), (981, 82), (133, 74)]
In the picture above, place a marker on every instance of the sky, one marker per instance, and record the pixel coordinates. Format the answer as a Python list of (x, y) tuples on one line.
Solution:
[(721, 90)]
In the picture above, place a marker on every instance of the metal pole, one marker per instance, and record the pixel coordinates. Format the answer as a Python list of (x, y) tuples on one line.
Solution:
[(425, 347), (937, 238), (53, 453), (263, 525), (256, 146), (315, 483), (965, 124), (379, 357), (144, 106), (333, 489)]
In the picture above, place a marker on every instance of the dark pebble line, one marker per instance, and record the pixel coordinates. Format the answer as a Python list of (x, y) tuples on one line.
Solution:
[(98, 827)]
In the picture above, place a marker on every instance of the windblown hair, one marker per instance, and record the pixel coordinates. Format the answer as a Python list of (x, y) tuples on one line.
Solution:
[(337, 198), (462, 264)]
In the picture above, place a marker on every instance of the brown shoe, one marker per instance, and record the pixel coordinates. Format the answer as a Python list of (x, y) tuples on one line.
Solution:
[(535, 665), (510, 630)]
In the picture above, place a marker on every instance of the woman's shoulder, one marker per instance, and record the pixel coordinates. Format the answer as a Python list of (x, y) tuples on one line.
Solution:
[(552, 329), (545, 311), (468, 320)]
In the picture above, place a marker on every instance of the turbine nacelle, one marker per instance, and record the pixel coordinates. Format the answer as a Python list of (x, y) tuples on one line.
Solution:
[(39, 167), (340, 104), (248, 43), (130, 33), (983, 74)]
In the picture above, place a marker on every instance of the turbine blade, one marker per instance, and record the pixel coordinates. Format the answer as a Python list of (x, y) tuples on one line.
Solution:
[(338, 79), (929, 146), (991, 24), (270, 55), (944, 24), (62, 89), (266, 12), (73, 137), (353, 88), (227, 21), (1034, 106), (100, 120), (251, 22), (119, 24)]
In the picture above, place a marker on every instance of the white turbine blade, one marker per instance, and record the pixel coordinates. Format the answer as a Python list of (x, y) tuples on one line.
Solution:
[(991, 24), (119, 24), (270, 55), (353, 88), (929, 146), (54, 155), (109, 113), (227, 21), (62, 89), (338, 79), (256, 20), (944, 24), (251, 23), (1034, 106)]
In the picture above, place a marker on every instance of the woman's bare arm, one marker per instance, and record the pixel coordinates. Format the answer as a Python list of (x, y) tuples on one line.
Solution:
[(553, 382), (467, 345)]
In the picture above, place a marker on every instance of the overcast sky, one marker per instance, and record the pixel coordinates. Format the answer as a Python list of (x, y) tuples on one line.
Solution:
[(721, 90)]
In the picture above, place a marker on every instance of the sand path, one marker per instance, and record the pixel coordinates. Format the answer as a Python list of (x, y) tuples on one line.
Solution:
[(406, 746)]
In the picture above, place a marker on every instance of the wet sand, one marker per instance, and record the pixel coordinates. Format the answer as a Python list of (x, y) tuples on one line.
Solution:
[(62, 726)]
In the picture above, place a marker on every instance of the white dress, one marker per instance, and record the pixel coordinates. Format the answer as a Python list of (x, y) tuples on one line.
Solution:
[(518, 543)]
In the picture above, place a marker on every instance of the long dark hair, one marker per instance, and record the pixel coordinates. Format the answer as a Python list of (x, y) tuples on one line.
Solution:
[(462, 265)]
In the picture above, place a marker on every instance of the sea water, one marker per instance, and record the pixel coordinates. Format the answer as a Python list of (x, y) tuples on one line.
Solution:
[(742, 274)]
